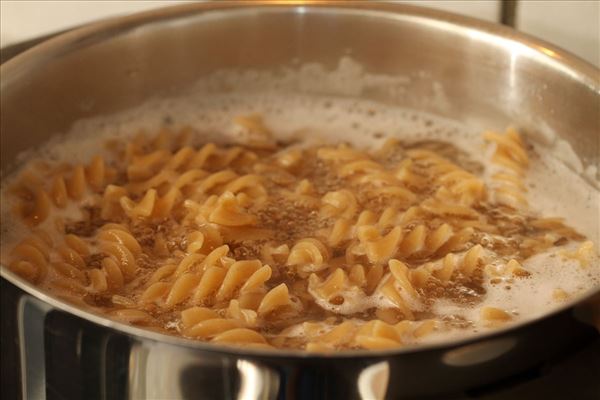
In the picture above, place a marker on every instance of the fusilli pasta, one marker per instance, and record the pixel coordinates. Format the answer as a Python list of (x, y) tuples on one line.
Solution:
[(267, 245)]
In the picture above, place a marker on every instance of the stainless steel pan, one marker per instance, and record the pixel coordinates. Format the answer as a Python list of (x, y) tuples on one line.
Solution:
[(493, 77)]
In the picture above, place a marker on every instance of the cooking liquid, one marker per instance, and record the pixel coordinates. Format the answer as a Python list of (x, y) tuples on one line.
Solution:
[(306, 121)]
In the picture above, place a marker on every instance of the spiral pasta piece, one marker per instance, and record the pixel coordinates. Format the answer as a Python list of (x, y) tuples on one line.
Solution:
[(374, 335), (151, 205), (308, 255), (460, 184), (228, 211), (31, 256), (200, 322), (511, 159), (122, 249), (213, 285), (340, 203)]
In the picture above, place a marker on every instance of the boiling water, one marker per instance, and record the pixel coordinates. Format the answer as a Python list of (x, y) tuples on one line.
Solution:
[(554, 189)]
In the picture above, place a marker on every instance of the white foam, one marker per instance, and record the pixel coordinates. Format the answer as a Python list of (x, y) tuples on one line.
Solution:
[(555, 190), (531, 297)]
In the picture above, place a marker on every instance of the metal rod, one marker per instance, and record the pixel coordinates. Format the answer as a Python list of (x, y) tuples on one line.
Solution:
[(508, 12)]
